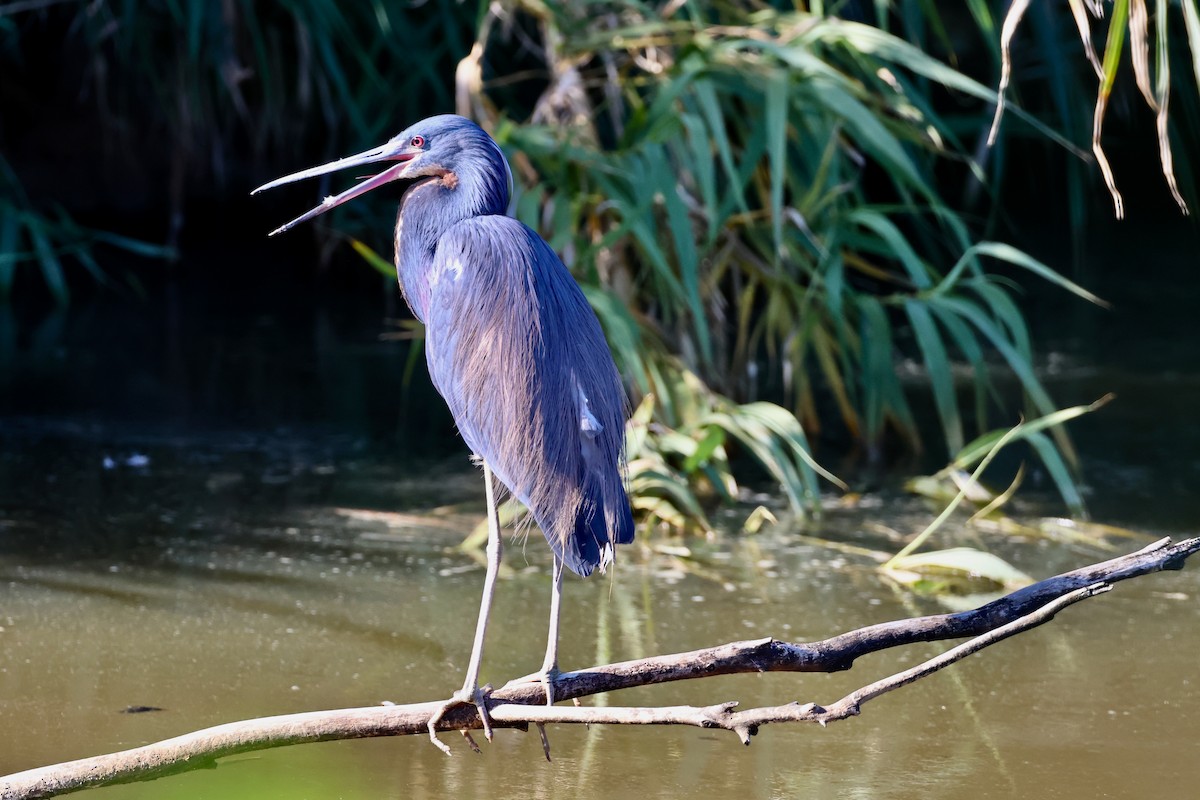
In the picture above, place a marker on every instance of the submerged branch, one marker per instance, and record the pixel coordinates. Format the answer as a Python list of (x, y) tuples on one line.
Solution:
[(519, 703)]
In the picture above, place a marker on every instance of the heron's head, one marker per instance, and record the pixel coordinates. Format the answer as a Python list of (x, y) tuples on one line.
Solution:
[(446, 148)]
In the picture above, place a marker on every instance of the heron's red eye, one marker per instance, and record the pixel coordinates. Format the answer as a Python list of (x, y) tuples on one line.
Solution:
[(417, 141)]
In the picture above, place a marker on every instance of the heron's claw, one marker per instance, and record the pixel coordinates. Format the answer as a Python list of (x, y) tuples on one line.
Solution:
[(545, 741), (477, 697), (547, 676)]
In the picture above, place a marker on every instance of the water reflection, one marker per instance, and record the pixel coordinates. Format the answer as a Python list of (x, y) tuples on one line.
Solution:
[(215, 600)]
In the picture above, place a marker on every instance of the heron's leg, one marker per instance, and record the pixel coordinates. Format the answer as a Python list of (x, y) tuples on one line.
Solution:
[(495, 547), (550, 664), (470, 692), (550, 673)]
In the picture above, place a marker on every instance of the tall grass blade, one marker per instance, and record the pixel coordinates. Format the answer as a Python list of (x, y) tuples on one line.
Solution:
[(980, 447), (937, 362), (1139, 50), (968, 345), (1011, 21), (1018, 258), (941, 518), (373, 259), (52, 271), (1191, 24), (875, 42), (1084, 25), (1016, 361), (1060, 473), (661, 177), (776, 100), (1162, 92), (1112, 60)]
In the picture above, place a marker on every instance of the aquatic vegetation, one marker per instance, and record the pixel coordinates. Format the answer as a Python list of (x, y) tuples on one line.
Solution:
[(750, 195), (1129, 22), (49, 241), (963, 570), (753, 192)]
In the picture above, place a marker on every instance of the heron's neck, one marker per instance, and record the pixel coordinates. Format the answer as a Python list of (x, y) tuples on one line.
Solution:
[(427, 211)]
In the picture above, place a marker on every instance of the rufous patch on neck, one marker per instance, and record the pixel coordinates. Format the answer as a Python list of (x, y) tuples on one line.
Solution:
[(450, 180)]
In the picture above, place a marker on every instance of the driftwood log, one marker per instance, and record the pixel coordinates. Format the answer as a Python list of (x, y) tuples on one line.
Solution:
[(521, 702)]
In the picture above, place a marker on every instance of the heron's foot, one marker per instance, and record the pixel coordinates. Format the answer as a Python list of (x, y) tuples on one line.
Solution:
[(477, 697), (548, 676)]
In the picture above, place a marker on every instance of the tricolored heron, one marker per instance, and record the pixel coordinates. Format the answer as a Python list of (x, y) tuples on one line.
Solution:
[(513, 347)]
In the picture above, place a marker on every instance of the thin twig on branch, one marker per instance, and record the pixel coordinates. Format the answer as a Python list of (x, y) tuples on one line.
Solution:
[(519, 703)]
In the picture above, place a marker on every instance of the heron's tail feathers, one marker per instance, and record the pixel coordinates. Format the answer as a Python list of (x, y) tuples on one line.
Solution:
[(603, 521)]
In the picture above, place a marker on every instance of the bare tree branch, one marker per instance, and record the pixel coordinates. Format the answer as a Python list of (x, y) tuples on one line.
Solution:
[(746, 723), (518, 703)]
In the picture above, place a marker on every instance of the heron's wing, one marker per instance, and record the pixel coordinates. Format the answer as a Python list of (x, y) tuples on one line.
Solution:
[(518, 354)]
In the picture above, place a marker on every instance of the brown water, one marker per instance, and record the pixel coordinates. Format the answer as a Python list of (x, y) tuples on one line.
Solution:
[(237, 591)]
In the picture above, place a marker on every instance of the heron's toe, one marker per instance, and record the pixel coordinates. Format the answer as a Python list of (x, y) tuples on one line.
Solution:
[(477, 697)]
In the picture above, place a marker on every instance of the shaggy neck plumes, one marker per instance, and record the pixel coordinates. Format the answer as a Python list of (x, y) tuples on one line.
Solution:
[(477, 183)]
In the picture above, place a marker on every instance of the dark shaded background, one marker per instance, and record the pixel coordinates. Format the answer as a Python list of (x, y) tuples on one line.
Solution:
[(245, 333)]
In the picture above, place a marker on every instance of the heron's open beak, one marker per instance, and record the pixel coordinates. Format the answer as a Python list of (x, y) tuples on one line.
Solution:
[(388, 152)]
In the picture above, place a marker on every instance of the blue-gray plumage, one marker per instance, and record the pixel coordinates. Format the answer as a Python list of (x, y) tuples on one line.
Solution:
[(513, 349), (512, 345)]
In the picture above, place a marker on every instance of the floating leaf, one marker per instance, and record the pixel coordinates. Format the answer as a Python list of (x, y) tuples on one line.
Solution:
[(958, 570), (759, 517)]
